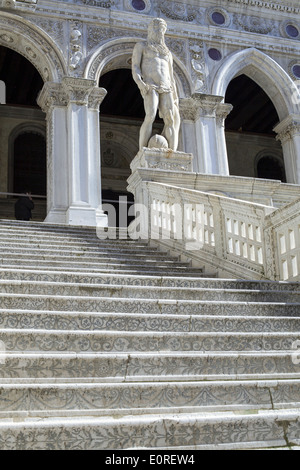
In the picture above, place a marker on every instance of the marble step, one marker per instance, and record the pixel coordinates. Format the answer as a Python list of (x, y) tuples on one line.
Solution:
[(139, 270), (91, 257), (210, 430), (39, 274), (94, 264), (75, 249), (147, 306), (115, 291), (18, 340), (65, 399), (33, 227), (120, 367), (134, 322)]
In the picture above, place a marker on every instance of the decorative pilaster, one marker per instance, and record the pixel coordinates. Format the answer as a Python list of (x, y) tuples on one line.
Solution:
[(74, 174), (203, 128), (53, 101), (288, 132)]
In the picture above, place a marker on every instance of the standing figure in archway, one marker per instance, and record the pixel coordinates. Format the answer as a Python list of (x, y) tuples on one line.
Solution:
[(152, 70)]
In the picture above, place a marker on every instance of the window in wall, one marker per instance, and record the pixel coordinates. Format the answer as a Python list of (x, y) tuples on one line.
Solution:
[(270, 167), (29, 166)]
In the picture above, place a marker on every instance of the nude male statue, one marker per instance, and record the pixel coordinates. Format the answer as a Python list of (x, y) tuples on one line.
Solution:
[(152, 70)]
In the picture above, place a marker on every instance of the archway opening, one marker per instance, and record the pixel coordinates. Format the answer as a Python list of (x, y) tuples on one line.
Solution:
[(271, 167), (23, 152), (29, 164), (249, 131), (121, 116)]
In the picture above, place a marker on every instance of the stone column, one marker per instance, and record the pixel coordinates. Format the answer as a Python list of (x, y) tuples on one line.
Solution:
[(74, 179), (203, 132), (53, 102), (222, 111), (288, 132)]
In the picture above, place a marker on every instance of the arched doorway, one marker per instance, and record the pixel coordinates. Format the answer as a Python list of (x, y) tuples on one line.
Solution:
[(29, 164), (249, 131), (280, 89), (23, 149), (122, 114)]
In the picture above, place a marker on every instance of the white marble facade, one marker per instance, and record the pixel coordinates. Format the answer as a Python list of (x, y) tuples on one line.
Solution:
[(72, 43)]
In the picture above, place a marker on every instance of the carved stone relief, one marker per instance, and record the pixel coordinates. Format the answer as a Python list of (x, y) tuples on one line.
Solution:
[(54, 28), (76, 48), (254, 24), (199, 69), (179, 11)]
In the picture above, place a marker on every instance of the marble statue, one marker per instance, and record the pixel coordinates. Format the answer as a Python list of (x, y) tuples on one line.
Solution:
[(152, 70)]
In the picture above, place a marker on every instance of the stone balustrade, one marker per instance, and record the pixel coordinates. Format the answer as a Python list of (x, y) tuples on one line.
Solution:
[(238, 238)]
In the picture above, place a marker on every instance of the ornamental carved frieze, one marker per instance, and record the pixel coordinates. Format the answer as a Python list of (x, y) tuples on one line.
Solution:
[(54, 28), (179, 11), (99, 3), (254, 24), (100, 35)]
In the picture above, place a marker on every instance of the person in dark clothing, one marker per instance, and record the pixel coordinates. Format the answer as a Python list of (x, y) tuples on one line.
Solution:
[(23, 207)]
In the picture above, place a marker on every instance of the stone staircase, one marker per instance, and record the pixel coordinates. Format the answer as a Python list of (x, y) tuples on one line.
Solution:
[(113, 344)]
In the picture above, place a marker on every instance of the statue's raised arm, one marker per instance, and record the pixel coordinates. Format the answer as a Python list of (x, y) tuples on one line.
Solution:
[(152, 70)]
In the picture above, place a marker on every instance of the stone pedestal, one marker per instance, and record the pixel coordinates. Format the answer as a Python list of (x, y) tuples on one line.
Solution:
[(162, 159), (154, 164)]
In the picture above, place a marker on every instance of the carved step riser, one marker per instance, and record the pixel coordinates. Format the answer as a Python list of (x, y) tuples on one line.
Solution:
[(147, 397), (120, 367), (178, 432), (147, 322), (45, 341)]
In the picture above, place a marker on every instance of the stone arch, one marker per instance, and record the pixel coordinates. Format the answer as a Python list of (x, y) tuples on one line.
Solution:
[(266, 72), (117, 54), (34, 44)]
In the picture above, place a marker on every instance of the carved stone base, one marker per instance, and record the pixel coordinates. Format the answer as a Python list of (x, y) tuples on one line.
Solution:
[(162, 159), (78, 215)]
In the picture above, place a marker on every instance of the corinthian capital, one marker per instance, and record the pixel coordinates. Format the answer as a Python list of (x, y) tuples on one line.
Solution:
[(202, 105), (78, 89), (288, 128), (71, 90), (52, 95)]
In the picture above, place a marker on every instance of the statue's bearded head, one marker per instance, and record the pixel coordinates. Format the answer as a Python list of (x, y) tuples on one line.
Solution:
[(156, 30)]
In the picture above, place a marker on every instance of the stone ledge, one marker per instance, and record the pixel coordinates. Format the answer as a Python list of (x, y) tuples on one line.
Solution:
[(162, 159)]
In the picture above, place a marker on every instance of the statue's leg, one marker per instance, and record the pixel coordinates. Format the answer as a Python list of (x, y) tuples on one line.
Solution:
[(151, 100), (170, 114)]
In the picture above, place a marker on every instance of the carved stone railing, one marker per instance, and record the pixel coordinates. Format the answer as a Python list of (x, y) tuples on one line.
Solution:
[(237, 238)]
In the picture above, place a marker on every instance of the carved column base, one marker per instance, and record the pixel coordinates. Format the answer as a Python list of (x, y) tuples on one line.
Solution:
[(85, 216), (162, 159), (79, 216)]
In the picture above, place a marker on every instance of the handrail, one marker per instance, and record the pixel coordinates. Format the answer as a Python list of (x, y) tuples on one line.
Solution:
[(237, 237), (36, 196)]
